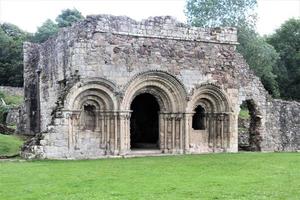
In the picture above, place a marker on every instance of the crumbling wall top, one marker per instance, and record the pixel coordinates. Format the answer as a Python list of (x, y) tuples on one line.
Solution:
[(160, 27)]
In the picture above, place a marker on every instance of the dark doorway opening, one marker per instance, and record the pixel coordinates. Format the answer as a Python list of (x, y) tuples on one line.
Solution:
[(144, 122), (249, 123), (199, 118)]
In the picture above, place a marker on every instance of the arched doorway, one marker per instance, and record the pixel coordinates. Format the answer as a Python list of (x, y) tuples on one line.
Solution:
[(144, 123), (249, 123)]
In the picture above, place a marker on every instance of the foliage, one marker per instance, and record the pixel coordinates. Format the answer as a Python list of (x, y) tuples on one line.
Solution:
[(11, 54), (244, 113), (213, 13), (47, 29), (3, 113), (260, 56), (12, 100), (286, 40), (68, 17), (216, 176), (11, 45), (9, 145), (50, 28)]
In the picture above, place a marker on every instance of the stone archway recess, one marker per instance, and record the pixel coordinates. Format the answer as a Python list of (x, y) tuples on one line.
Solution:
[(111, 133), (99, 94), (217, 115), (254, 126), (171, 97), (144, 131)]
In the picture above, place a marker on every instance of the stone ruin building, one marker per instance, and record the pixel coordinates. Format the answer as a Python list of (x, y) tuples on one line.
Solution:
[(112, 86)]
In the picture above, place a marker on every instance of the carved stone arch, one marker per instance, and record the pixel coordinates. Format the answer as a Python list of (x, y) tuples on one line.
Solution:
[(210, 96), (168, 90), (100, 91), (215, 123)]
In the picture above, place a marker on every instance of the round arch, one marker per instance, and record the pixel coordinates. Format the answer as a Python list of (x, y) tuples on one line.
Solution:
[(166, 88), (211, 98), (99, 93)]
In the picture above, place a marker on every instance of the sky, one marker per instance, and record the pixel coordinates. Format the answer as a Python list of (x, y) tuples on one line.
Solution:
[(29, 14)]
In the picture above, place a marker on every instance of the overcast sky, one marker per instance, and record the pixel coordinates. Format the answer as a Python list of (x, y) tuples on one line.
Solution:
[(29, 14)]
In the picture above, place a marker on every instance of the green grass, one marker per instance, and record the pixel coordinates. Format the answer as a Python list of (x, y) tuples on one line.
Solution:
[(244, 113), (216, 176), (9, 145), (13, 100)]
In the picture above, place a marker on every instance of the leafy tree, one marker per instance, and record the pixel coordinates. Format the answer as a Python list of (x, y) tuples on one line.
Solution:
[(47, 29), (260, 56), (286, 40), (214, 13), (68, 16), (11, 54), (11, 44)]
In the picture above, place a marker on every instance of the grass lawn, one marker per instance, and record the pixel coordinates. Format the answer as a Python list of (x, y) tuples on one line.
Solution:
[(216, 176), (9, 145)]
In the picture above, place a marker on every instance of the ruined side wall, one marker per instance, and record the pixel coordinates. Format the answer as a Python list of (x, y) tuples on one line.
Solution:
[(283, 125), (31, 92), (19, 91)]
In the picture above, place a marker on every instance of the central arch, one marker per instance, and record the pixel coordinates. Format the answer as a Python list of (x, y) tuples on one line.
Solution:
[(169, 97), (144, 123)]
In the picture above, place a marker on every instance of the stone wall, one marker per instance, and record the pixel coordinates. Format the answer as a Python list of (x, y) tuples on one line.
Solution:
[(119, 54), (12, 117), (283, 123), (12, 90)]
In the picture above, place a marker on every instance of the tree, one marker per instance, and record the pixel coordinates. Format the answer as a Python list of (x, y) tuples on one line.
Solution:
[(68, 17), (214, 13), (286, 40), (260, 56), (11, 54), (50, 28), (47, 29)]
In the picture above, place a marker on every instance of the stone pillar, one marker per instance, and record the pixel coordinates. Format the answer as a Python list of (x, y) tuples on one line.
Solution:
[(116, 147), (124, 131), (107, 124), (165, 150), (187, 127), (222, 130), (210, 130), (178, 133), (161, 131), (173, 147)]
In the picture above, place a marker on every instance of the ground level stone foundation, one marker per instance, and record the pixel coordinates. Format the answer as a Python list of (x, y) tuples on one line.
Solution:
[(111, 85)]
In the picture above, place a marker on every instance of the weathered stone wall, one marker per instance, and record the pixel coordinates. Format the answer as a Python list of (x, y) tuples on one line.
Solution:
[(31, 92), (12, 117), (119, 50), (19, 91), (283, 125)]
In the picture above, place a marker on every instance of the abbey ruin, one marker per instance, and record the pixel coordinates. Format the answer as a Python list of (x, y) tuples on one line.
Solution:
[(108, 86)]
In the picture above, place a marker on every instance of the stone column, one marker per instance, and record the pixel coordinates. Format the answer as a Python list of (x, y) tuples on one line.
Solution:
[(165, 133), (161, 131), (210, 130), (116, 147), (107, 123), (124, 130), (222, 130), (187, 127), (173, 147), (178, 133)]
